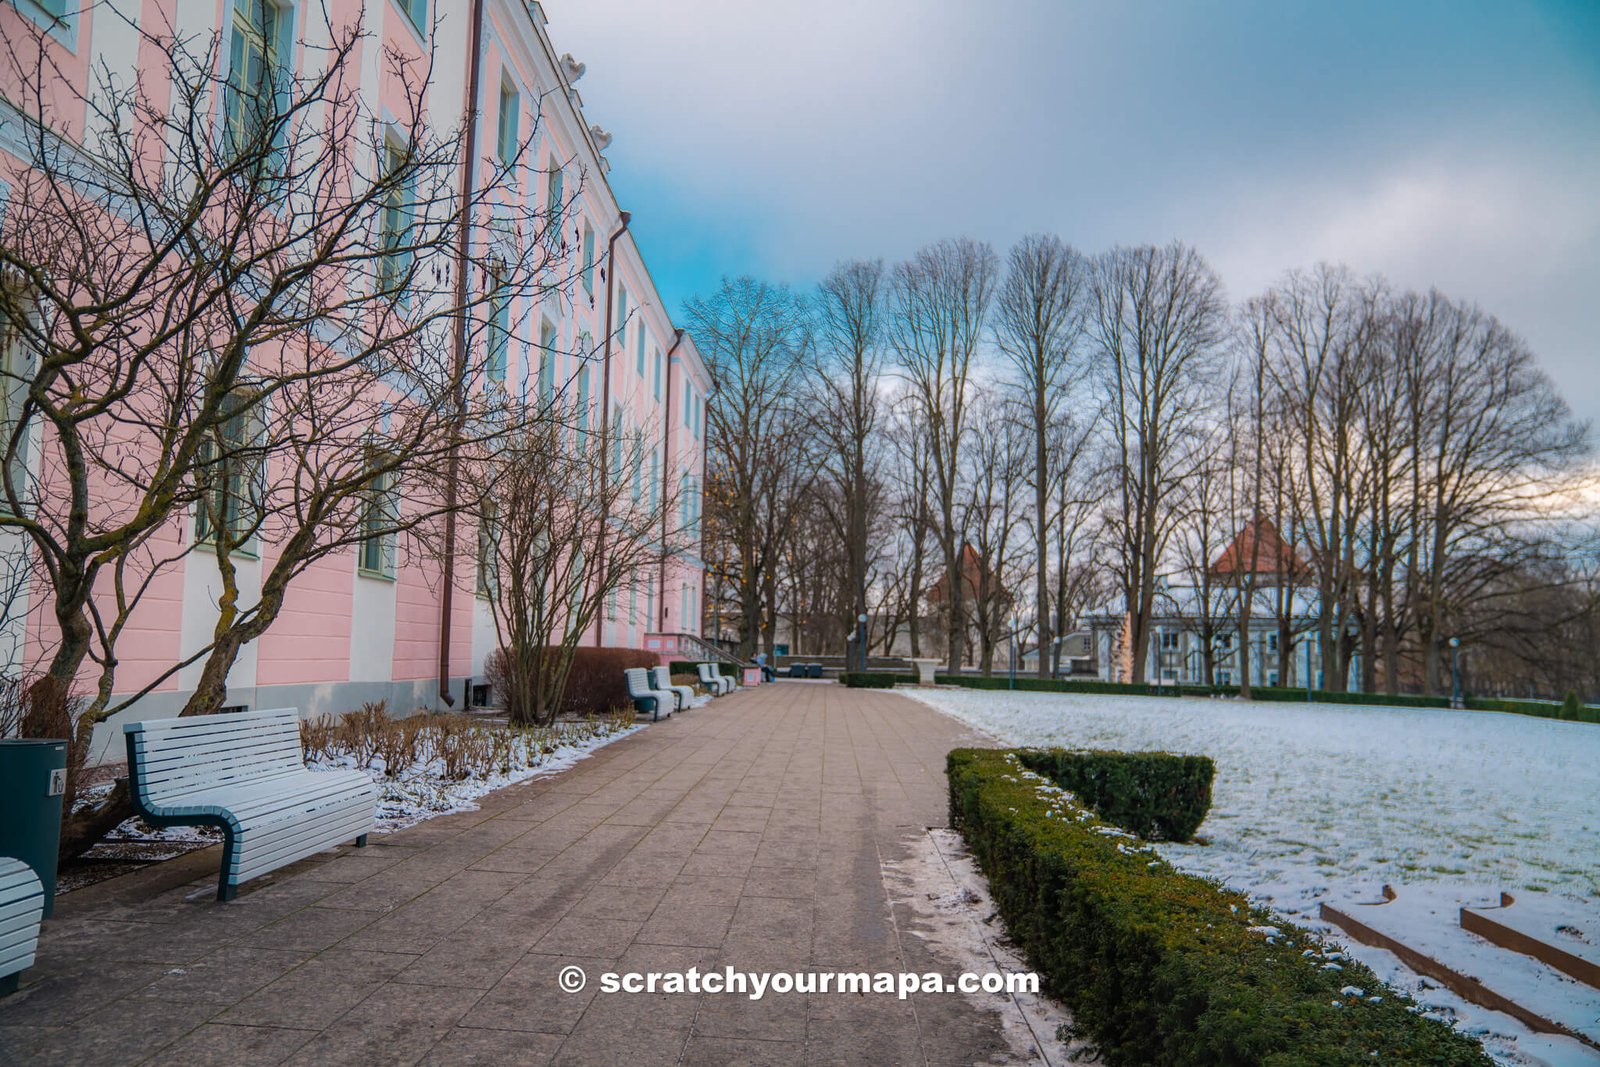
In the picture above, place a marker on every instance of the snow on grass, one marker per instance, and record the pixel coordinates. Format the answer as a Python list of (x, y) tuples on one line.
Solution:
[(1321, 802)]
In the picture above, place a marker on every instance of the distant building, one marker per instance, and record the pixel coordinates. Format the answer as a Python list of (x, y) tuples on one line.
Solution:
[(1190, 619)]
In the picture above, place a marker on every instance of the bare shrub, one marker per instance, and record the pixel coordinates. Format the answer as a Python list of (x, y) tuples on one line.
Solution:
[(396, 742), (317, 738)]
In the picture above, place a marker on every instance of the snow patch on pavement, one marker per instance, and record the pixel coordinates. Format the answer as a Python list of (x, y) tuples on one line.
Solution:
[(949, 900)]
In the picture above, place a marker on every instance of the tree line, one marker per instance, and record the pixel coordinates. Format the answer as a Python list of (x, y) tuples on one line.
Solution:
[(1066, 430)]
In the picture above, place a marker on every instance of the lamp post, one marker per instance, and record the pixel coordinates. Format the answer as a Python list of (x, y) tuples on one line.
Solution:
[(1012, 682), (861, 638), (1455, 672)]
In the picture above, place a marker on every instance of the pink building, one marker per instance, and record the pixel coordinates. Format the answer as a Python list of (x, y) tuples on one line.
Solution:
[(352, 631)]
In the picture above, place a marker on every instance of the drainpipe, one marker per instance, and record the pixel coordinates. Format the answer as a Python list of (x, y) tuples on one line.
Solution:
[(463, 249), (605, 412), (666, 472)]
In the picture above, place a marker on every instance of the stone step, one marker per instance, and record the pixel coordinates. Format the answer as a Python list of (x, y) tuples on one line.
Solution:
[(1422, 927), (1540, 926)]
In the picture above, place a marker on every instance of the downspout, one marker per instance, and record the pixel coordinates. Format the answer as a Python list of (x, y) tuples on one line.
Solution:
[(463, 249), (605, 411), (666, 474)]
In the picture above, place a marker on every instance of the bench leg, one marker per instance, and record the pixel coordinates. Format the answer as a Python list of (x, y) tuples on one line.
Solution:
[(361, 842), (226, 890), (8, 984)]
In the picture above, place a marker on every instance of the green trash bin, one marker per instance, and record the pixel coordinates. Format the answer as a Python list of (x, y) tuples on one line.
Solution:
[(33, 779)]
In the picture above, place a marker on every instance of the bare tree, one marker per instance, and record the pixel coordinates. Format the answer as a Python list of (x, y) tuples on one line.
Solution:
[(1157, 323), (938, 304), (1039, 326), (999, 455), (760, 454), (545, 510), (849, 321)]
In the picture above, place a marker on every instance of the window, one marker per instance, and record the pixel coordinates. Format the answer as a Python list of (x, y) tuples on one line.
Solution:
[(417, 12), (555, 198), (488, 556), (633, 606), (379, 513), (229, 466), (1170, 640), (616, 441), (655, 476), (393, 222), (638, 359), (658, 374), (547, 360), (250, 99), (1272, 642), (699, 417), (15, 373), (510, 123), (688, 404), (622, 317), (499, 328), (583, 382), (588, 257)]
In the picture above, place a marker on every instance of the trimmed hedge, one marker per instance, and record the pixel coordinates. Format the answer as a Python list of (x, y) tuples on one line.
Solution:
[(1035, 684), (1157, 795), (874, 679), (1278, 694), (1538, 709), (685, 666), (595, 683), (1160, 967)]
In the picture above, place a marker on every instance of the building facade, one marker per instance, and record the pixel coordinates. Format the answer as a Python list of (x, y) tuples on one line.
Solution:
[(358, 626)]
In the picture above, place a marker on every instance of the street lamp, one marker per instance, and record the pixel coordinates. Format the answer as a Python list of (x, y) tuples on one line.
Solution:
[(861, 638), (1455, 672)]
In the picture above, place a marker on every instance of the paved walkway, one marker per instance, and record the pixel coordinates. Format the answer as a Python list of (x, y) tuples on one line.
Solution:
[(749, 833)]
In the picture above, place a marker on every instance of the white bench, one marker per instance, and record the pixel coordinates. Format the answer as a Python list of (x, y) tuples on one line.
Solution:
[(713, 679), (661, 678), (21, 911), (646, 697), (243, 774)]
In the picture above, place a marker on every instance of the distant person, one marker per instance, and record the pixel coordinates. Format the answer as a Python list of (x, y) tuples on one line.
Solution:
[(767, 673)]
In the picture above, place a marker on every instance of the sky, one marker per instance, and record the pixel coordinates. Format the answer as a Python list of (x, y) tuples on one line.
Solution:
[(1454, 145)]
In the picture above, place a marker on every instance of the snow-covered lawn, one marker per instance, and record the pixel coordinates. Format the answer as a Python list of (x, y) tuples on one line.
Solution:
[(1319, 802)]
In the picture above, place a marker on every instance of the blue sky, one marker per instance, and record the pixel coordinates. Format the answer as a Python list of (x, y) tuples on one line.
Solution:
[(1450, 144)]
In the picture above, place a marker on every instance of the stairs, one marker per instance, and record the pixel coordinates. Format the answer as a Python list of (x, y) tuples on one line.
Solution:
[(1536, 959)]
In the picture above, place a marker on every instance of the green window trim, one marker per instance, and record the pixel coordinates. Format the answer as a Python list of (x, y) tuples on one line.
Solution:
[(416, 13), (261, 33), (243, 423), (499, 329), (508, 123), (375, 556), (588, 258)]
